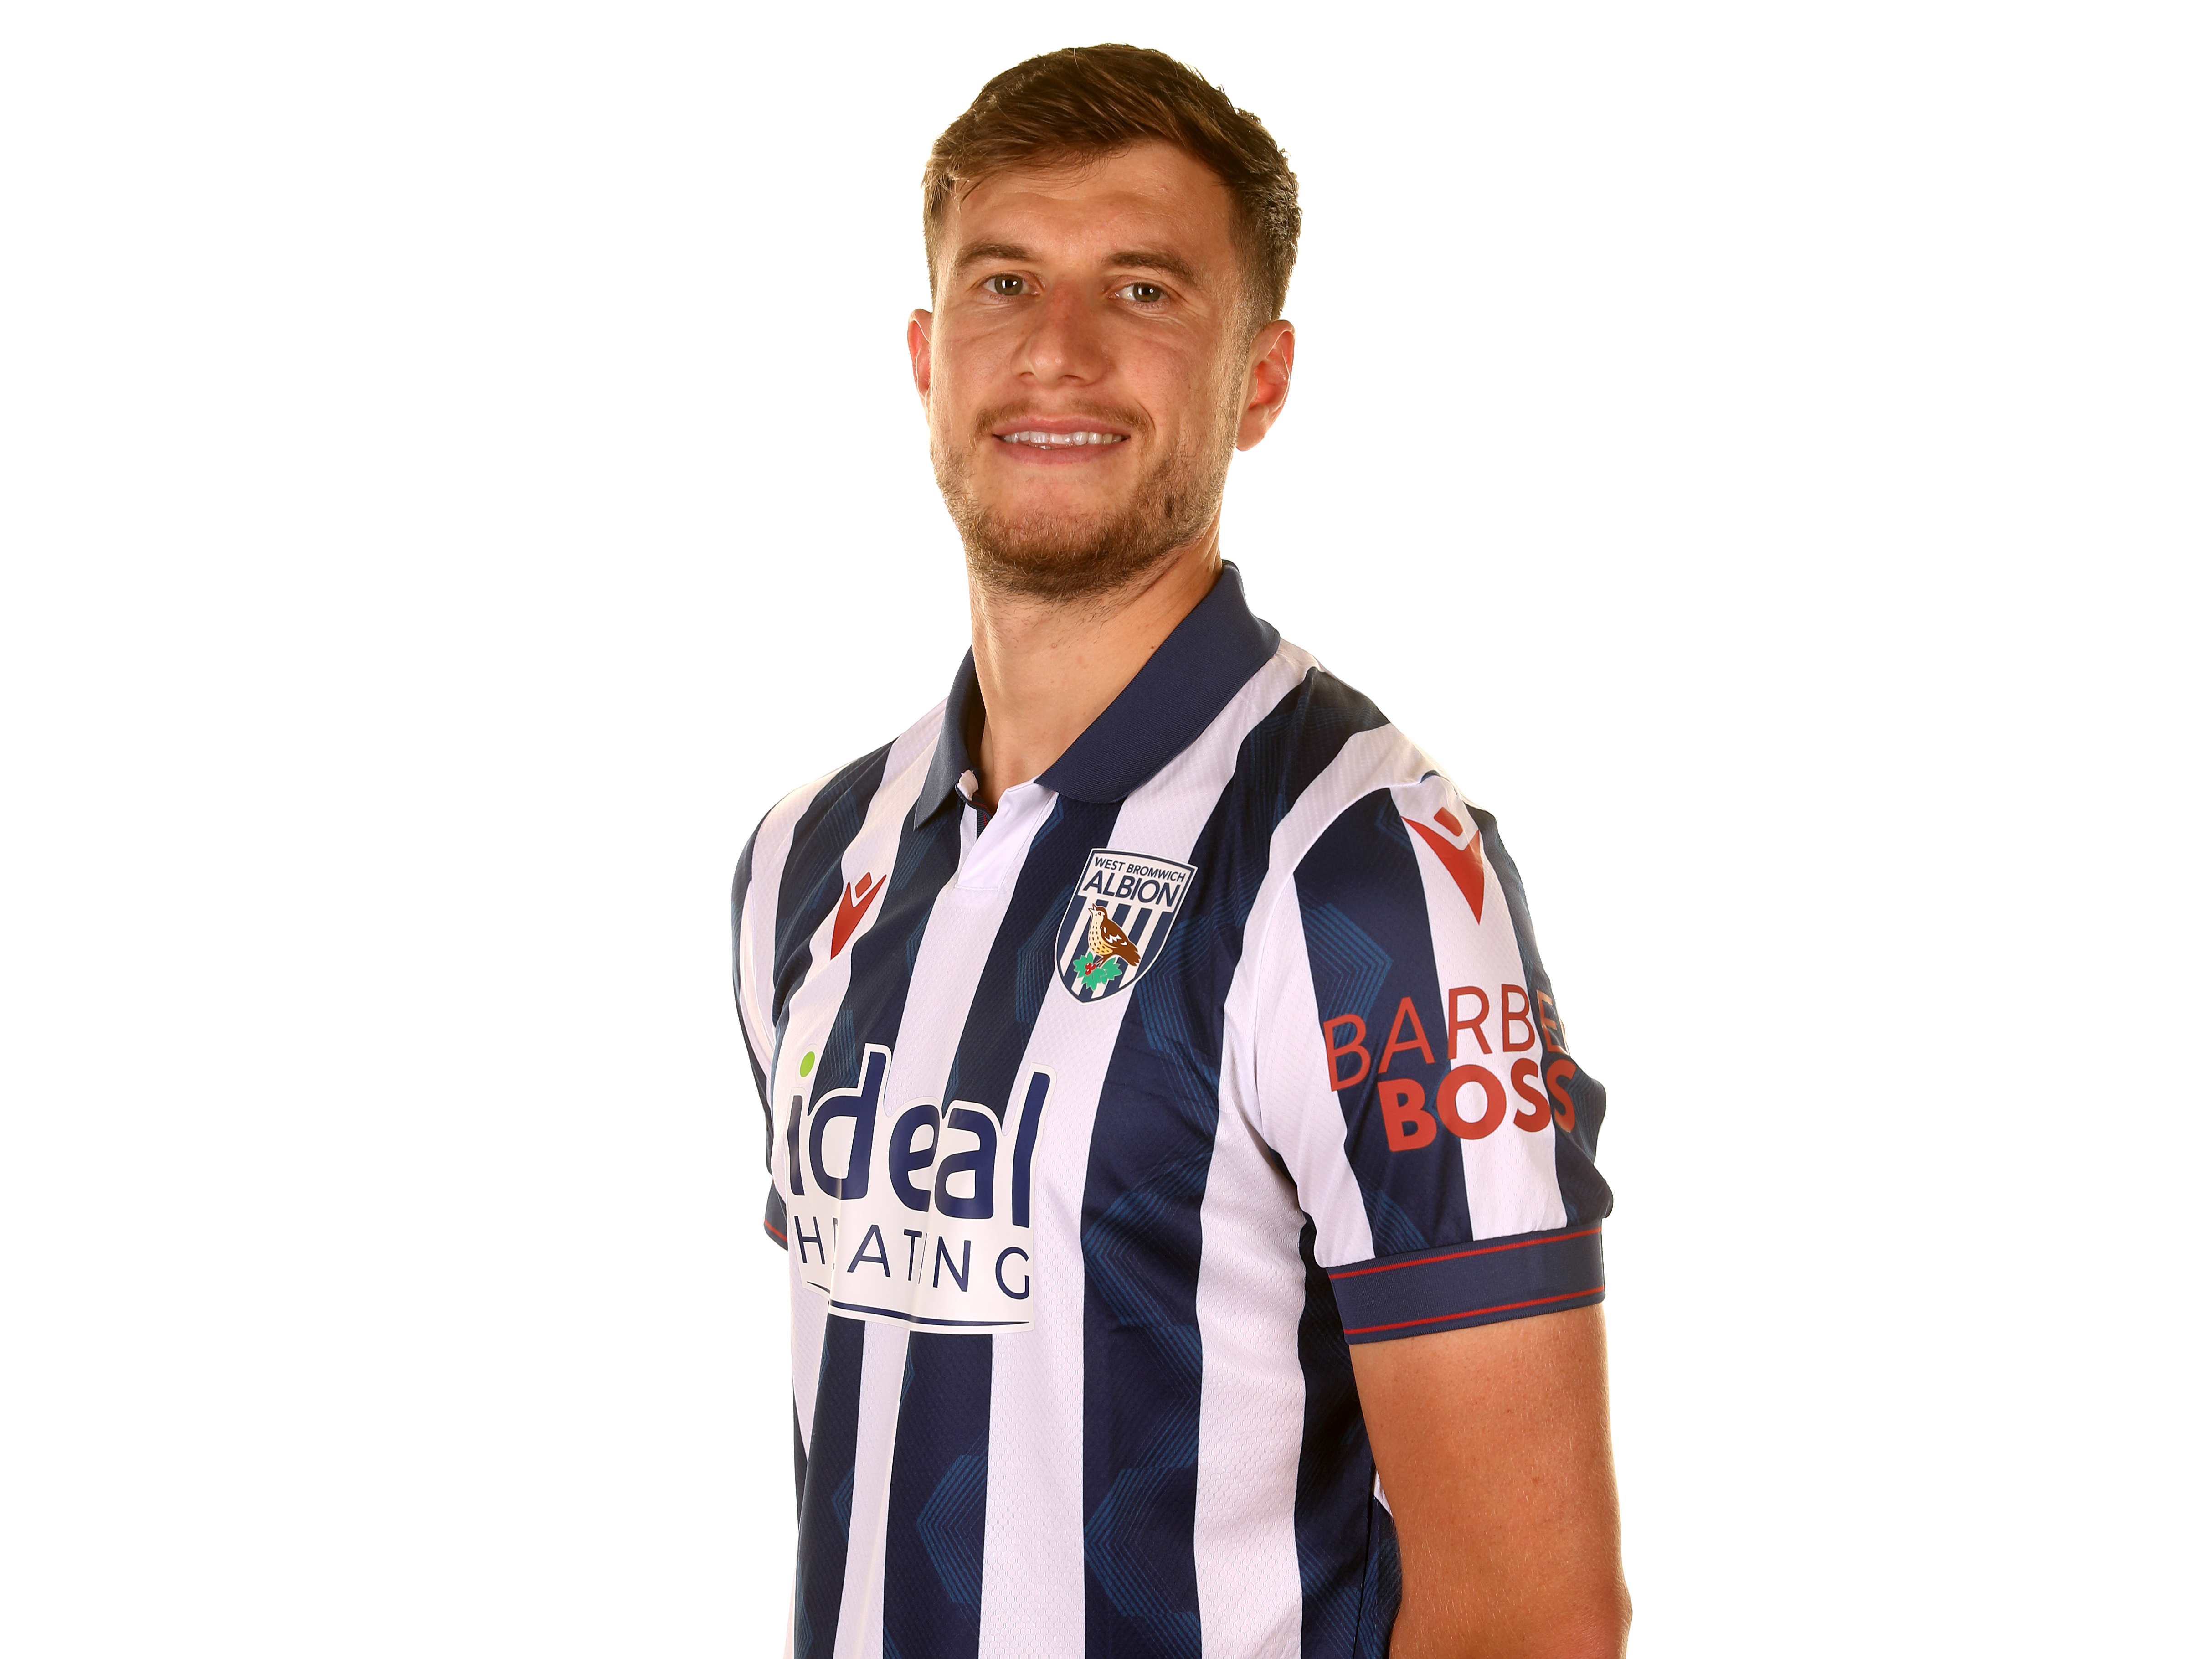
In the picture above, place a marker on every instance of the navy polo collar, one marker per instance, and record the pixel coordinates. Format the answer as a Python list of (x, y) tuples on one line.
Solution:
[(1174, 697)]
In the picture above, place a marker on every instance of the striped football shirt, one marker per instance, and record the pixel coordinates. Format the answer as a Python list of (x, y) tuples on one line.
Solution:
[(1100, 1126)]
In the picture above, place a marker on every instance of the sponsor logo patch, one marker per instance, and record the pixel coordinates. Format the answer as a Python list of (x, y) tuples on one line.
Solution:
[(917, 1214), (1124, 907)]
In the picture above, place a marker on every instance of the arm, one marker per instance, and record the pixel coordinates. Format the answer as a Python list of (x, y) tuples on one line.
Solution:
[(1495, 1453)]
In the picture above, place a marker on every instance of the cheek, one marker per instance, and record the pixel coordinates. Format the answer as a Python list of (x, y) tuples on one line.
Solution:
[(1176, 388), (978, 344), (1163, 359)]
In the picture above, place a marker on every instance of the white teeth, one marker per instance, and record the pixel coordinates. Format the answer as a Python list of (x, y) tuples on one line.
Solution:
[(1060, 439)]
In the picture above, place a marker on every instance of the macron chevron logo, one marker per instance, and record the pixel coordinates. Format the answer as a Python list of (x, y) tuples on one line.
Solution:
[(1457, 855), (858, 896)]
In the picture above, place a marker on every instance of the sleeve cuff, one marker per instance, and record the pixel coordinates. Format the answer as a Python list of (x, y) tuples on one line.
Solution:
[(1461, 1284), (775, 1223)]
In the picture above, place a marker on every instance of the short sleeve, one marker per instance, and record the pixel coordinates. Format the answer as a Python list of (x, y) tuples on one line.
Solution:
[(751, 969), (1414, 1076)]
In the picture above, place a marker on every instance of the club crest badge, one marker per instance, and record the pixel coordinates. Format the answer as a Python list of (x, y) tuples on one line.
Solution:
[(1124, 907)]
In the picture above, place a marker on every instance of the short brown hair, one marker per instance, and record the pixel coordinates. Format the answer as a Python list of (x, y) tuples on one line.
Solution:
[(1094, 100)]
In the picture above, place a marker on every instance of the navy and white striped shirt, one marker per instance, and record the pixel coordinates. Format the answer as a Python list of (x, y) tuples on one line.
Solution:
[(1100, 1126)]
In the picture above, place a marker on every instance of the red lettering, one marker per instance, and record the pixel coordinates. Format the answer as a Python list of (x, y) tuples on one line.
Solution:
[(1354, 1047), (1493, 1111), (1548, 1016), (1482, 1013), (1563, 1109), (1535, 1115), (1419, 1039), (1509, 1016), (1405, 1124)]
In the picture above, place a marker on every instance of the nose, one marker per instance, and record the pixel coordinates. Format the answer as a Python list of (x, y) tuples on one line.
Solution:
[(1065, 343)]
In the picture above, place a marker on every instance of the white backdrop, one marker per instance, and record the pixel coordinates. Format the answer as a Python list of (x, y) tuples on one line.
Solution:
[(458, 466)]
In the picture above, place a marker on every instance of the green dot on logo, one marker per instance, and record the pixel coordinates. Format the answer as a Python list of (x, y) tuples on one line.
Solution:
[(806, 1062)]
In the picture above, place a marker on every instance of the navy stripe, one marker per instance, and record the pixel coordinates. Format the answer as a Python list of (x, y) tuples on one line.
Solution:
[(1582, 1190), (825, 1503), (1366, 919), (950, 759), (1484, 1283), (1336, 1473), (812, 872), (933, 1552), (1150, 1152), (1291, 754)]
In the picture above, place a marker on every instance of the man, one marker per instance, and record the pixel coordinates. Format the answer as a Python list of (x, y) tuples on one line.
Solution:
[(1193, 1229)]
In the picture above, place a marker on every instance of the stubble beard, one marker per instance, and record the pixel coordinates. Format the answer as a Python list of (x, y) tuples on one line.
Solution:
[(1058, 555)]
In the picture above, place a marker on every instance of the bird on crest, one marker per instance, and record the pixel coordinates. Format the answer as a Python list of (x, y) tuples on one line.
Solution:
[(1107, 939)]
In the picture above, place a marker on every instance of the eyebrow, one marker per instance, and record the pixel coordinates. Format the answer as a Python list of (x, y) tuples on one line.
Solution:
[(1156, 260), (1169, 264), (978, 253)]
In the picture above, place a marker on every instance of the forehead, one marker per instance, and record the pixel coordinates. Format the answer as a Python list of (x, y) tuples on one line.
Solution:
[(1152, 195)]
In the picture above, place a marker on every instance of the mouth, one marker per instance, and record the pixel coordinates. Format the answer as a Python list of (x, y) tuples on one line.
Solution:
[(1038, 438), (1061, 448), (1080, 434)]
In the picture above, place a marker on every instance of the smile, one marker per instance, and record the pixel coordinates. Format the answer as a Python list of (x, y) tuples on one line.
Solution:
[(1061, 439)]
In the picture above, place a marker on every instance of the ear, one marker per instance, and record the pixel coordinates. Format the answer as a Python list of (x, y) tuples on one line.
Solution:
[(1267, 381), (917, 348)]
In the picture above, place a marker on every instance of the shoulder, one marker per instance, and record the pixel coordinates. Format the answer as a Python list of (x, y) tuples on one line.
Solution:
[(1376, 861), (1332, 766), (828, 810)]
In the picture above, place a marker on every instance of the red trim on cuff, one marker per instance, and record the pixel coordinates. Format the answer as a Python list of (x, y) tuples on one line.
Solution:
[(1470, 1313), (1483, 1249)]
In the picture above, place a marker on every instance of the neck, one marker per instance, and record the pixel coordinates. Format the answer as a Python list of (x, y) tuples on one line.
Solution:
[(1047, 668)]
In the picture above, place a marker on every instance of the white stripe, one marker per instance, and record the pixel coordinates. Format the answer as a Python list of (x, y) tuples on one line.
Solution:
[(860, 1611), (1251, 1414), (1033, 1516), (809, 1326), (1512, 1173)]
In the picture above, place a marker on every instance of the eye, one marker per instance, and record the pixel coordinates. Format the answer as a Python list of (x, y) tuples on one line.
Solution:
[(1143, 294), (1005, 287)]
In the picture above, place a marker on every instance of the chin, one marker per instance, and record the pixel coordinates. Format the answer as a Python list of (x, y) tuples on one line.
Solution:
[(1060, 538), (1057, 510)]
